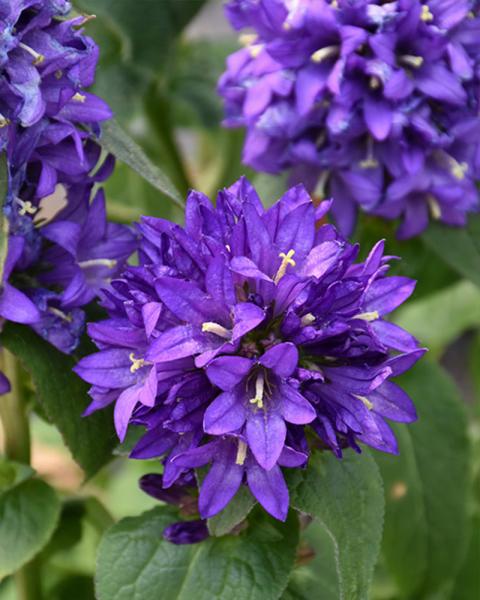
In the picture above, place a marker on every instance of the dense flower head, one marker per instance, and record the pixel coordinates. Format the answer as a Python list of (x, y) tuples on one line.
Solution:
[(61, 249), (375, 103), (245, 338)]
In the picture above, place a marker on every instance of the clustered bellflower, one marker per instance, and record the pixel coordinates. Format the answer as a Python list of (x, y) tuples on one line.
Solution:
[(374, 103), (61, 249), (246, 336)]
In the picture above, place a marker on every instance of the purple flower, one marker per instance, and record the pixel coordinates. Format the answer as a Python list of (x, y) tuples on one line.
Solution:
[(180, 494), (61, 249), (236, 332), (376, 104)]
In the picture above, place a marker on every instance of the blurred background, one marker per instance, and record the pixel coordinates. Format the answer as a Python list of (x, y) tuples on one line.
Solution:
[(159, 64)]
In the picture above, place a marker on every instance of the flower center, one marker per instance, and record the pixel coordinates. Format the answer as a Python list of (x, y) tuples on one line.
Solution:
[(4, 121), (324, 53), (26, 207), (79, 98), (426, 15)]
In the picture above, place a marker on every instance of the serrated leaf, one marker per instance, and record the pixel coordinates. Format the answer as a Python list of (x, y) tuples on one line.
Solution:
[(458, 246), (233, 514), (427, 488), (134, 562), (28, 516), (346, 496), (116, 141), (64, 397), (431, 476)]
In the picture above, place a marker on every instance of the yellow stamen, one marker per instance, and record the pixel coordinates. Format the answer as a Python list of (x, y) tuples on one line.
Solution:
[(324, 53), (286, 261), (98, 262), (457, 169), (247, 39), (38, 59), (411, 60), (241, 453), (4, 121), (255, 50), (137, 363), (210, 327), (79, 98), (259, 387), (367, 316), (374, 83), (426, 15), (365, 401), (26, 207), (434, 207)]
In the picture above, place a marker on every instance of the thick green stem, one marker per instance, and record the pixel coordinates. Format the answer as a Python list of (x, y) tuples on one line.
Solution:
[(16, 436), (16, 430)]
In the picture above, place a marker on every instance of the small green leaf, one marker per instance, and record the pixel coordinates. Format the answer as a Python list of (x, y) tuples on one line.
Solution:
[(458, 246), (439, 319), (134, 563), (427, 488), (346, 496), (116, 141), (64, 397), (29, 514), (12, 473), (233, 514)]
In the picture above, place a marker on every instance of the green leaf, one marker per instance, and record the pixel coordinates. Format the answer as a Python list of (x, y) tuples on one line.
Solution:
[(459, 247), (28, 516), (233, 514), (346, 496), (115, 140), (467, 583), (12, 473), (64, 397), (439, 319), (3, 219), (427, 486), (318, 578), (134, 562)]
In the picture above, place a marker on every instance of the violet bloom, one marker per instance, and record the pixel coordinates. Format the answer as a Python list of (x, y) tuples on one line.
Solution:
[(237, 332), (182, 495), (62, 250), (376, 104)]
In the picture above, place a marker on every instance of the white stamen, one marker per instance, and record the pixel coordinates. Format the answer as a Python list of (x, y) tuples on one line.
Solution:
[(241, 453), (308, 319), (37, 58), (367, 316), (370, 162), (210, 327), (324, 53), (58, 313), (98, 262), (286, 261), (4, 121), (259, 388), (247, 39), (374, 82), (365, 401), (434, 207)]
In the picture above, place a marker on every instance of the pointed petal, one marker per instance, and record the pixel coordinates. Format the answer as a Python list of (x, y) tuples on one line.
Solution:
[(225, 414), (270, 489), (220, 485), (266, 432), (293, 406), (282, 359), (227, 371)]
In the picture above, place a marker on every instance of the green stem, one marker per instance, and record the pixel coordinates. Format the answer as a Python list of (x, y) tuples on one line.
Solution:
[(16, 435), (16, 430)]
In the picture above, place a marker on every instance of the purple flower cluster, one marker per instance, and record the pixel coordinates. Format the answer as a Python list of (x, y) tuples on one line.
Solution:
[(237, 331), (374, 103), (61, 249)]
